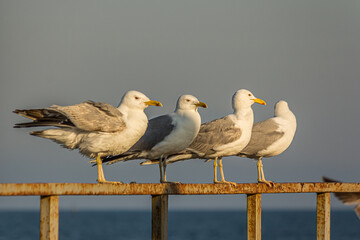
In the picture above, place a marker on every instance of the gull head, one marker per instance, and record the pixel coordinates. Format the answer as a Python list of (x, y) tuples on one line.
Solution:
[(244, 98), (281, 108), (189, 102), (137, 100)]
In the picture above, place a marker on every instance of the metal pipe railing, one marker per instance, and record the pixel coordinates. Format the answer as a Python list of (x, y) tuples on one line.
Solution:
[(49, 200), (49, 217), (42, 189)]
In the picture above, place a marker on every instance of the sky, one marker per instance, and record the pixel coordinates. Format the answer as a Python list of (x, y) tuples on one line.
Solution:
[(64, 52)]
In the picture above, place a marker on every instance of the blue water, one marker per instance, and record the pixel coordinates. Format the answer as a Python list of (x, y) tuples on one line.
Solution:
[(197, 225)]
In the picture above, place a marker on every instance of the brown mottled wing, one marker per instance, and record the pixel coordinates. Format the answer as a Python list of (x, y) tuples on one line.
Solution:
[(346, 198), (213, 134), (263, 135), (349, 197), (93, 116)]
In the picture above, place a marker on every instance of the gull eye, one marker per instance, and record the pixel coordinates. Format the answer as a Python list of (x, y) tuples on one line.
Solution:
[(188, 100), (249, 95), (137, 98)]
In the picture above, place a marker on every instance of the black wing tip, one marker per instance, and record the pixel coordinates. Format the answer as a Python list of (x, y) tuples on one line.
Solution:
[(36, 133), (21, 112), (112, 157), (24, 125), (327, 179)]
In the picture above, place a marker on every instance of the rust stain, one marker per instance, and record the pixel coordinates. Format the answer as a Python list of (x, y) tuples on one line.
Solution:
[(253, 190), (49, 217), (38, 189), (254, 216), (323, 216)]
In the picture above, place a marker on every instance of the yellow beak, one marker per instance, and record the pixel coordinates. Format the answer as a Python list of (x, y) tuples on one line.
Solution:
[(201, 104), (154, 103), (260, 101)]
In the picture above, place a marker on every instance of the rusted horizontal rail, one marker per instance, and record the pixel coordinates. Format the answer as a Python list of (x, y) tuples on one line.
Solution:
[(49, 192), (39, 189)]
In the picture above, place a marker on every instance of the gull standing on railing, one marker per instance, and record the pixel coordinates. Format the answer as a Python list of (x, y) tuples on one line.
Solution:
[(166, 135), (96, 129), (222, 137), (271, 137)]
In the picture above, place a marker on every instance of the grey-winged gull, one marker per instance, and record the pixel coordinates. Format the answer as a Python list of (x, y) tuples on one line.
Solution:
[(271, 137), (348, 198), (165, 135), (96, 129), (222, 137)]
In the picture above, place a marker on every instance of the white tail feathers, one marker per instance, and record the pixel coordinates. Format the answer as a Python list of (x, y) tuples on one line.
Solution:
[(66, 137)]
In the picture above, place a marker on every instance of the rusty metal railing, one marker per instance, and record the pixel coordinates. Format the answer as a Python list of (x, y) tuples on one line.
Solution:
[(49, 200)]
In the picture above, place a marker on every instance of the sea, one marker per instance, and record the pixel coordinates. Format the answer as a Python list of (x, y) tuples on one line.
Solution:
[(182, 225)]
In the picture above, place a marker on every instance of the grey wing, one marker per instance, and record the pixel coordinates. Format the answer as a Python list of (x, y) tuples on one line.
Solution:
[(215, 133), (158, 129), (263, 135), (93, 116)]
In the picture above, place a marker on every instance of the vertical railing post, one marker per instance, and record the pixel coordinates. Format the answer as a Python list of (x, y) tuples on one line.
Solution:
[(323, 216), (159, 217), (254, 216), (49, 217)]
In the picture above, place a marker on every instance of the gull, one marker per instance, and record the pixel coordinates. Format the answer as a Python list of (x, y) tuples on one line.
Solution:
[(222, 137), (96, 129), (271, 137), (347, 198), (166, 135)]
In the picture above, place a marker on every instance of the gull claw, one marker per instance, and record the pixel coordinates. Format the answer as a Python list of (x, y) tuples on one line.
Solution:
[(108, 182), (269, 183), (231, 183), (170, 182), (226, 182)]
